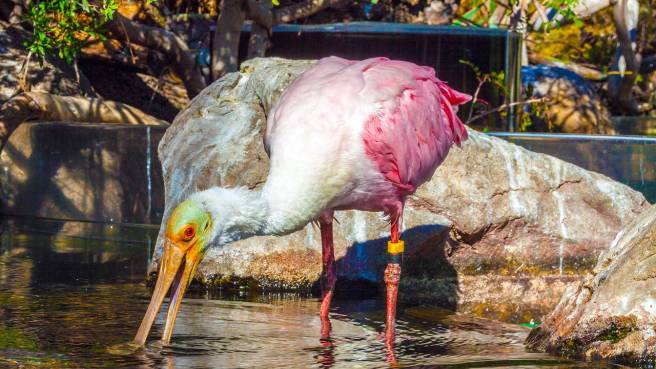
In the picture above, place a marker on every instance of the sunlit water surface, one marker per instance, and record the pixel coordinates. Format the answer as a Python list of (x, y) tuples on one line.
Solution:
[(64, 300)]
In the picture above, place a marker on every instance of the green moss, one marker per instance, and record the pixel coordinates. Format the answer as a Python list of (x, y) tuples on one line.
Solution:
[(570, 347), (12, 338), (246, 69), (615, 333), (229, 283), (591, 42), (518, 267), (232, 283), (508, 312), (4, 300)]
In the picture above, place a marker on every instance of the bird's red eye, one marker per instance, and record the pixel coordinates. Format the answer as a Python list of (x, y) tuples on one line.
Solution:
[(189, 233)]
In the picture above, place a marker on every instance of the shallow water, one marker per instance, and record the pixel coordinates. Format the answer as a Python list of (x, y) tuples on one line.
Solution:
[(64, 300)]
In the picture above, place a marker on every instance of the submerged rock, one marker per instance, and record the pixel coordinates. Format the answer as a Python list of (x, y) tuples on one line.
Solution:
[(499, 230), (611, 314)]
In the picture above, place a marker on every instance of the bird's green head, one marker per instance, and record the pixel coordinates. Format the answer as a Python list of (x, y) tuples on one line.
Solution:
[(214, 217), (189, 224), (187, 236)]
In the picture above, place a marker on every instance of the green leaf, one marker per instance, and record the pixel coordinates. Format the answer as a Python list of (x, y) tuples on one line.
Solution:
[(62, 27)]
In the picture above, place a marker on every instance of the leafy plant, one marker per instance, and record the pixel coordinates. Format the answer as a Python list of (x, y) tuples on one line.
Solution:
[(62, 27), (495, 13), (593, 42), (533, 107), (565, 8)]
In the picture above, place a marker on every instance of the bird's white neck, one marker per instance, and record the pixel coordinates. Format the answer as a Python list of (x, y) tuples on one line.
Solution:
[(239, 213)]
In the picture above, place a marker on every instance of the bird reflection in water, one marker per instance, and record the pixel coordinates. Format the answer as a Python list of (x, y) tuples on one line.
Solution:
[(326, 357)]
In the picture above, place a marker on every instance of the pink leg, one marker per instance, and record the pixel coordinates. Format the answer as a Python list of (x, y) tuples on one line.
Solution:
[(329, 274), (392, 278)]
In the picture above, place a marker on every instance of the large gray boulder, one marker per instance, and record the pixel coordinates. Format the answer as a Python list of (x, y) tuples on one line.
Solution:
[(611, 314), (499, 230)]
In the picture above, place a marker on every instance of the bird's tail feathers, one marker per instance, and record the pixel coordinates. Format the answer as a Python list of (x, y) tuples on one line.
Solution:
[(450, 104)]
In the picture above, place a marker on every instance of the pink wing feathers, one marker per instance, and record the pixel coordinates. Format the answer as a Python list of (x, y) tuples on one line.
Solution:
[(412, 132), (409, 121)]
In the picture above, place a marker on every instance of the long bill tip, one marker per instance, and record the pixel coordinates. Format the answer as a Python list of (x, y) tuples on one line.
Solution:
[(172, 259), (177, 267)]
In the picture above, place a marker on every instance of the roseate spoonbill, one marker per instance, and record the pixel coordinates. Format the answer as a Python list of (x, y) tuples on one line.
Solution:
[(344, 135)]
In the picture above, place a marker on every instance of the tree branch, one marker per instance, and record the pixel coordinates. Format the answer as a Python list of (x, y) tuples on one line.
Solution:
[(302, 10), (583, 71), (16, 15), (260, 12), (620, 85), (140, 58), (505, 106), (46, 107), (258, 43), (648, 64), (225, 46), (164, 41)]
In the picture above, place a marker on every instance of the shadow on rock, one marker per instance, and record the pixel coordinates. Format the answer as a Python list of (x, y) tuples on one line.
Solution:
[(427, 276)]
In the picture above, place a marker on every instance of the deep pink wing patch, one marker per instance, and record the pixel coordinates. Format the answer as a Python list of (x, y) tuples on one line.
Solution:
[(412, 132)]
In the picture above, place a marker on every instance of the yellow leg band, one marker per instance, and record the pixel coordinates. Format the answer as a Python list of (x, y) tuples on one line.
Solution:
[(395, 247)]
